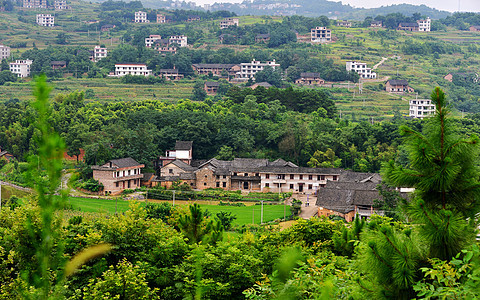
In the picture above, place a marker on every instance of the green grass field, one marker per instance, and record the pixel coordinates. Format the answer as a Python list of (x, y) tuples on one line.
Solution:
[(245, 214)]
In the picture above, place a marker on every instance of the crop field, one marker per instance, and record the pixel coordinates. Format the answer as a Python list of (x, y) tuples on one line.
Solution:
[(244, 214)]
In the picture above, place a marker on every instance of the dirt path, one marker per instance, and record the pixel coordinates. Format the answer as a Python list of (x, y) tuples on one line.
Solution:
[(16, 186)]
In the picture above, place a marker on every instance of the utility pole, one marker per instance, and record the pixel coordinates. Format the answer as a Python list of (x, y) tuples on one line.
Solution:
[(0, 195), (261, 214), (173, 197)]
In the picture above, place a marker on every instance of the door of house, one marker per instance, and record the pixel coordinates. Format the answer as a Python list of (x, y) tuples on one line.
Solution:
[(245, 185), (129, 184), (300, 187)]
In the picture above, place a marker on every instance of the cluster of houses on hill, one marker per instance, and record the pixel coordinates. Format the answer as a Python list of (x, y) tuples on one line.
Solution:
[(338, 191)]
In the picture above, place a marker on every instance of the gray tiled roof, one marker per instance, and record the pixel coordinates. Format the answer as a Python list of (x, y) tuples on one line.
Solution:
[(182, 165), (214, 66), (408, 25), (212, 83), (309, 75), (398, 82), (123, 162), (183, 145)]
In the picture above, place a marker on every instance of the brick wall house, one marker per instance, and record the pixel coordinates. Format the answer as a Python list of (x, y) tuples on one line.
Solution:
[(117, 175)]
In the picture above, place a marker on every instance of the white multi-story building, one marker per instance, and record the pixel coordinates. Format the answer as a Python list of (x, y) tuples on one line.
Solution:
[(35, 4), (141, 17), (46, 20), (132, 69), (4, 52), (149, 41), (225, 23), (248, 70), (320, 35), (421, 108), (424, 25), (60, 5), (21, 67), (361, 69), (161, 18), (181, 40), (99, 53)]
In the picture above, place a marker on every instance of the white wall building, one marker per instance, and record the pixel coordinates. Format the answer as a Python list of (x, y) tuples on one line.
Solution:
[(361, 69), (46, 20), (21, 67), (4, 52), (225, 23), (35, 4), (141, 17), (421, 108), (132, 69), (181, 40), (60, 5), (99, 53), (149, 41), (320, 35), (248, 70), (424, 25)]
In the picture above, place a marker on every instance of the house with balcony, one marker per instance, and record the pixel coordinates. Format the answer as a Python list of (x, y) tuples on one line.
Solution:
[(262, 38), (347, 24), (117, 175), (99, 53), (361, 69), (141, 17), (424, 25), (320, 35), (36, 4), (183, 151), (408, 26), (131, 69), (376, 24), (219, 70), (248, 70), (61, 5), (46, 20), (170, 74), (227, 22), (421, 108), (58, 64), (21, 67), (211, 87)]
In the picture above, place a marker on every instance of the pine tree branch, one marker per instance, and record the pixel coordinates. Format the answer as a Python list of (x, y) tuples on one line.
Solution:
[(428, 217), (379, 258)]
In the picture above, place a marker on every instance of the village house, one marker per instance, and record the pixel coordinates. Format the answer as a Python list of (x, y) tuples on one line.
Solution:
[(4, 52), (117, 175), (361, 69), (99, 53), (225, 23), (211, 87), (216, 69), (262, 38), (347, 198), (183, 151), (151, 39), (421, 108), (474, 28), (344, 24), (42, 4), (265, 85), (470, 76), (107, 27), (170, 74), (180, 40), (56, 65), (248, 70), (310, 78), (424, 25), (61, 5), (4, 154), (175, 171), (46, 20), (399, 86), (141, 17), (408, 26), (193, 18), (131, 69), (320, 35), (21, 67), (161, 18)]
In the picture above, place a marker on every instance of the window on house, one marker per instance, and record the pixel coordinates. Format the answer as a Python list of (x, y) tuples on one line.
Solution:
[(318, 177), (267, 176), (224, 176), (204, 183), (291, 186), (257, 174), (335, 177), (206, 176), (224, 184), (245, 174), (267, 184), (322, 177), (116, 184), (292, 176), (218, 184), (310, 186), (310, 177), (218, 176), (129, 172), (301, 176), (235, 174), (170, 171)]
